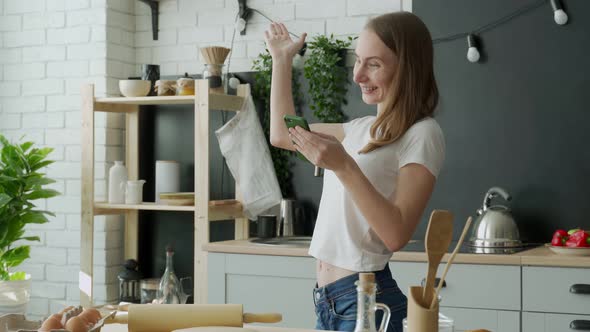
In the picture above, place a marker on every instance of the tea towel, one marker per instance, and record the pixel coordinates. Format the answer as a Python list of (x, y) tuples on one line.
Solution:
[(242, 143)]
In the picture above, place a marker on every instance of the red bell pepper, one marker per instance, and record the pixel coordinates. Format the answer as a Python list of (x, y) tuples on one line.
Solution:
[(578, 239), (557, 241), (559, 238)]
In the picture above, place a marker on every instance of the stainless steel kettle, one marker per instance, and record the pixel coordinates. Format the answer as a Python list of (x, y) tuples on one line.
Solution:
[(495, 227)]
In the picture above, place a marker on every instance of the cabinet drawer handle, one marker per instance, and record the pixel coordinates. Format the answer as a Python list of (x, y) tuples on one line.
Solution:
[(580, 289), (436, 282), (579, 324)]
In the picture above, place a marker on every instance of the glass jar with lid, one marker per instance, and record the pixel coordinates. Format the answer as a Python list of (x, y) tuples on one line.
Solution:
[(213, 72), (185, 86)]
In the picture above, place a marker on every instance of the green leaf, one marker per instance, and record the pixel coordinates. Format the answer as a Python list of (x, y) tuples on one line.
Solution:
[(42, 193), (13, 257), (26, 146), (31, 238), (38, 165), (4, 199), (34, 217), (18, 276)]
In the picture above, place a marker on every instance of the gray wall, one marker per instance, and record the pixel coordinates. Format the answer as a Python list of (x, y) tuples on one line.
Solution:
[(519, 119)]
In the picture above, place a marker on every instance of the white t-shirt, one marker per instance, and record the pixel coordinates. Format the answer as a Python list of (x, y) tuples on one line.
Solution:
[(342, 237)]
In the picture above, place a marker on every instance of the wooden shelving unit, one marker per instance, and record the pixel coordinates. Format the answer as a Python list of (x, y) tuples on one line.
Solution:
[(204, 210)]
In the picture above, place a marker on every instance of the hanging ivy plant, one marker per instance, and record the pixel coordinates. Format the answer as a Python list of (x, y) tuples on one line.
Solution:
[(262, 66), (325, 71)]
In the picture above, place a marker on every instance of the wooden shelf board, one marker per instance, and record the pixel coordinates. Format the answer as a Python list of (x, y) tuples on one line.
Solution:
[(154, 100), (144, 206), (219, 102), (217, 209)]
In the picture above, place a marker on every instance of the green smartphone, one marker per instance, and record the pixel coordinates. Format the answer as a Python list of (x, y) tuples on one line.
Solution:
[(293, 121)]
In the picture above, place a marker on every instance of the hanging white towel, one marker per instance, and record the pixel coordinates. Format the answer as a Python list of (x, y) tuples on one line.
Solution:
[(242, 143)]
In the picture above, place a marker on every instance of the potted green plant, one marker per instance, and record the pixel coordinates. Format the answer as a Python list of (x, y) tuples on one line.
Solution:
[(21, 182), (325, 71)]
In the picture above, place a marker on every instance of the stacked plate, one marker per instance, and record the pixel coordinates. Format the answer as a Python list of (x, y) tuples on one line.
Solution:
[(178, 198)]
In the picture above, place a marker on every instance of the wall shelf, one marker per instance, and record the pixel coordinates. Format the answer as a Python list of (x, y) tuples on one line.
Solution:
[(204, 210), (216, 102)]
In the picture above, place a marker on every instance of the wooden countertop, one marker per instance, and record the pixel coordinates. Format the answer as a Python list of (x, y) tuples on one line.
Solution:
[(539, 256)]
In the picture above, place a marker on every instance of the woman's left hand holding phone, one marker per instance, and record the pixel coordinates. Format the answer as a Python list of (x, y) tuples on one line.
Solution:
[(322, 150)]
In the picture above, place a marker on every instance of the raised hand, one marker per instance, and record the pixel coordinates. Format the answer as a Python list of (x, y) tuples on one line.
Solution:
[(280, 44)]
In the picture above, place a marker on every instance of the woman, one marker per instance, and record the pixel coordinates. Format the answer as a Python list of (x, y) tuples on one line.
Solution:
[(380, 170)]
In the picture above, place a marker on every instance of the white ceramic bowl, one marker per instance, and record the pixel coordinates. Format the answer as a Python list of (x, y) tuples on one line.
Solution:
[(134, 88)]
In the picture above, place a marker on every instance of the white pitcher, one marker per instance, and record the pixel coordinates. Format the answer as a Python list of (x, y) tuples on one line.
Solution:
[(133, 191)]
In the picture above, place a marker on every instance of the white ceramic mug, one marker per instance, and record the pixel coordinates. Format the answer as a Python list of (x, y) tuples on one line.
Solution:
[(133, 191)]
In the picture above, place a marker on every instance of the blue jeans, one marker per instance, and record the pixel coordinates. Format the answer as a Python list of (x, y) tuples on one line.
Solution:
[(335, 303)]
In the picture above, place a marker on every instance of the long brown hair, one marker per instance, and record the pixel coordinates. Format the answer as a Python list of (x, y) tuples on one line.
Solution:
[(414, 94)]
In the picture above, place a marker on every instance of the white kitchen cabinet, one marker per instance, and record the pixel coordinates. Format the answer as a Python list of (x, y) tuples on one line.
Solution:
[(493, 320), (495, 287), (545, 322), (204, 210), (475, 296), (550, 302), (549, 289), (265, 284)]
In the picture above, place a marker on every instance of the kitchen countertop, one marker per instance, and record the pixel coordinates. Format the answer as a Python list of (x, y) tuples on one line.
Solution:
[(538, 256)]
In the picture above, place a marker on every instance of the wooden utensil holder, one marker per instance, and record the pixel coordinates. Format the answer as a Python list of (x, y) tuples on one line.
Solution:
[(420, 318)]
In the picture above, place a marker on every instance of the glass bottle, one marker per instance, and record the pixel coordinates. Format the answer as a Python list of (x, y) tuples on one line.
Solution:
[(366, 306), (169, 290)]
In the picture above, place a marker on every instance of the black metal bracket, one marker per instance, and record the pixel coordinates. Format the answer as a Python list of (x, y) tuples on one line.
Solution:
[(154, 7), (244, 13)]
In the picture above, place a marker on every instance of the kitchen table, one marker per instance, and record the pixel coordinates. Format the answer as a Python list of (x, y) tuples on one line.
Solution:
[(257, 328)]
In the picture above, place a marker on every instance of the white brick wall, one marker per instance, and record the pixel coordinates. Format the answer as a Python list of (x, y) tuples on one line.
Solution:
[(48, 48), (186, 25)]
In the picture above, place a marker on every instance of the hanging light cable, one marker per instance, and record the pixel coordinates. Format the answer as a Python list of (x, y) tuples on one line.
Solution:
[(559, 15)]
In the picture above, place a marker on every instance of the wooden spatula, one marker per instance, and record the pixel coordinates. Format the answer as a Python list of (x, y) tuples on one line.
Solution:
[(438, 237)]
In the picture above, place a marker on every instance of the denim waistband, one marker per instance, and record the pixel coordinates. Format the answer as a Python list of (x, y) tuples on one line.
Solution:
[(346, 285)]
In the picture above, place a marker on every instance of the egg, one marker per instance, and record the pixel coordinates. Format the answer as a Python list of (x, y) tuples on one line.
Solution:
[(90, 315), (56, 316), (51, 323), (66, 309), (76, 324)]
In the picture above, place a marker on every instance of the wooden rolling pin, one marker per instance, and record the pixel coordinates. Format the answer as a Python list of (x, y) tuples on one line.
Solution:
[(168, 317)]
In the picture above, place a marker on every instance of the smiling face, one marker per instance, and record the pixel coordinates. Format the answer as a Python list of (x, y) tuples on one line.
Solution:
[(374, 67)]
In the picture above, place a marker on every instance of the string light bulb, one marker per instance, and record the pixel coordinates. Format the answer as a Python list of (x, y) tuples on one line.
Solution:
[(472, 51), (559, 15), (240, 24), (234, 82)]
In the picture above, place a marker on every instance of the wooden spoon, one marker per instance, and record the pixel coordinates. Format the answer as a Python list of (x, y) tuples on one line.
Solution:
[(438, 237), (450, 261)]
